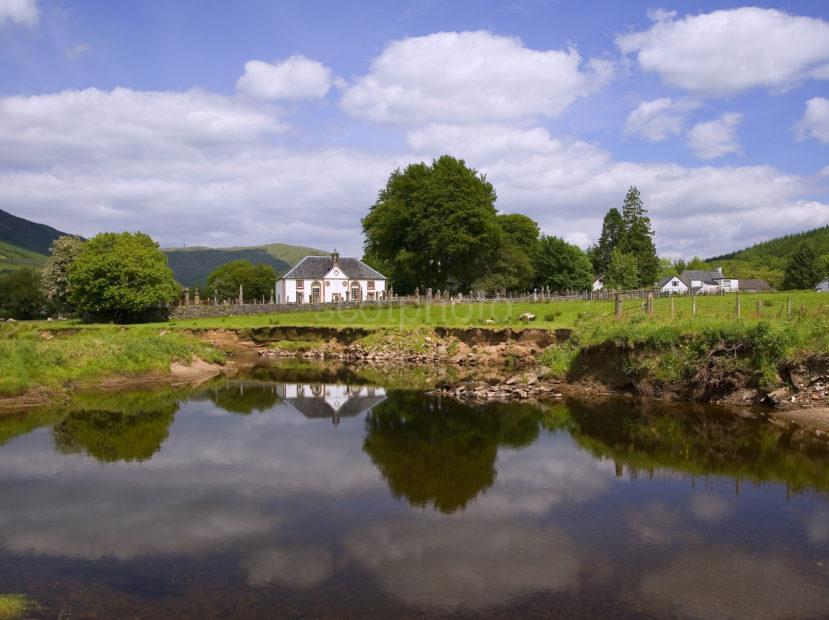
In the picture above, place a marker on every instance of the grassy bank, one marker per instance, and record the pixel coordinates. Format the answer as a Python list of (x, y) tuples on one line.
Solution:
[(33, 358)]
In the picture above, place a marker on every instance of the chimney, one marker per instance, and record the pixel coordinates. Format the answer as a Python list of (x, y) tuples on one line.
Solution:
[(335, 258)]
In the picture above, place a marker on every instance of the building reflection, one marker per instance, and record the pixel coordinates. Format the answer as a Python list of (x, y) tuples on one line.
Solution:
[(332, 401)]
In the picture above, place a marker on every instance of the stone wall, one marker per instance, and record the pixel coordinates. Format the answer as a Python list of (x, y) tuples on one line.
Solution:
[(212, 311)]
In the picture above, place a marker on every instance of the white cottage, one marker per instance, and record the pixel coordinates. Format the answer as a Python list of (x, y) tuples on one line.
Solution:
[(709, 281), (326, 279), (672, 285), (822, 287)]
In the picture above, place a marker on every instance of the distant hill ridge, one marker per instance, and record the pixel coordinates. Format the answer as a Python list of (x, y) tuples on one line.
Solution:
[(782, 247), (25, 234), (192, 265)]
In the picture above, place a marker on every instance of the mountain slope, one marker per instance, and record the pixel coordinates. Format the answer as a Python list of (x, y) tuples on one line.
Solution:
[(783, 247), (767, 260), (25, 234), (13, 257), (191, 266)]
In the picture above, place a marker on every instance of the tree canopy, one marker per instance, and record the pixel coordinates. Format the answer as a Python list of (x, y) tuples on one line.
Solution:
[(55, 274), (257, 281), (563, 266), (123, 275), (434, 225), (20, 294), (804, 269), (637, 238), (612, 229), (622, 272)]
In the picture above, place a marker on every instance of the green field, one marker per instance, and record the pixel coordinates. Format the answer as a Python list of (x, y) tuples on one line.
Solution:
[(548, 314)]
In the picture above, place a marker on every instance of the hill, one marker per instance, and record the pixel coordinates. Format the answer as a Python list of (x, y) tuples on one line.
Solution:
[(25, 234), (768, 259), (191, 266), (13, 257)]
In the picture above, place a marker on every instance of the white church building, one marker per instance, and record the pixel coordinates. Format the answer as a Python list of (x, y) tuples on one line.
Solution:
[(327, 279)]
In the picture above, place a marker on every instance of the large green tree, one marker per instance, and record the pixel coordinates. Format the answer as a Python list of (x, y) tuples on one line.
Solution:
[(612, 229), (20, 294), (622, 272), (121, 275), (637, 238), (803, 270), (563, 266), (257, 281), (512, 268), (434, 225), (55, 274)]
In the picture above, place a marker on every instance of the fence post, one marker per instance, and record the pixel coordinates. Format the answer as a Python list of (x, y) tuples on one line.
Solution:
[(693, 305), (618, 306), (673, 308), (759, 308), (788, 307), (649, 303), (737, 307)]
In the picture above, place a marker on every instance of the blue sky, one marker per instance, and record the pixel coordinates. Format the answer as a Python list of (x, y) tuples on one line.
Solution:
[(222, 123)]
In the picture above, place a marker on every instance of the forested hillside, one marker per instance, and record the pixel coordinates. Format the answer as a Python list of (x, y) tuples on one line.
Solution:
[(768, 259), (191, 266)]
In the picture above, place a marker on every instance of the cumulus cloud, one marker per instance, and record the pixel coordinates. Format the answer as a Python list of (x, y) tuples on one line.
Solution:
[(23, 12), (659, 119), (458, 77), (296, 77), (204, 169), (716, 138), (815, 121), (465, 564), (725, 52)]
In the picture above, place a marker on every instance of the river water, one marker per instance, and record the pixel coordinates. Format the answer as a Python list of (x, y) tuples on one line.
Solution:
[(309, 491)]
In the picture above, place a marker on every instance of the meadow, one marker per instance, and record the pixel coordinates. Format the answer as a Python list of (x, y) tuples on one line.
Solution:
[(774, 326)]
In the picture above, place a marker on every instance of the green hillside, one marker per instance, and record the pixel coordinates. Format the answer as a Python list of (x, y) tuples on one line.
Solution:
[(25, 234), (767, 260), (191, 266), (13, 257)]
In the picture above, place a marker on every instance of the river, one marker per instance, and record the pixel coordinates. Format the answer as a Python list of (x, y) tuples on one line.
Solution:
[(311, 491)]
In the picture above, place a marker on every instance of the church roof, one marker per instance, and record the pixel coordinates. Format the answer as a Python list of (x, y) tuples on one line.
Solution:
[(315, 268)]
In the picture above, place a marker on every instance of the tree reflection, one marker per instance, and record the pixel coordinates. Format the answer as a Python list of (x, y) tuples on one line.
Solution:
[(441, 452), (245, 397), (122, 427)]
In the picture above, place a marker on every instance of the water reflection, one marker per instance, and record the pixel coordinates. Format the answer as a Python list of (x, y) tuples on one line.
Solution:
[(441, 452), (259, 498)]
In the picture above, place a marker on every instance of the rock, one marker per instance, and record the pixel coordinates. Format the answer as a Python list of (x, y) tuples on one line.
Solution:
[(489, 322), (526, 317), (512, 380), (46, 335), (163, 332), (442, 349), (531, 378)]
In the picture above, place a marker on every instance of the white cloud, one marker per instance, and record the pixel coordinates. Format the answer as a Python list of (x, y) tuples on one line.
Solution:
[(459, 77), (466, 564), (205, 169), (726, 52), (294, 78), (19, 12), (715, 138), (76, 51), (815, 121), (659, 119)]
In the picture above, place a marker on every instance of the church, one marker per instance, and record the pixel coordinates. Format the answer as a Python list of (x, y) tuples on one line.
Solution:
[(330, 279)]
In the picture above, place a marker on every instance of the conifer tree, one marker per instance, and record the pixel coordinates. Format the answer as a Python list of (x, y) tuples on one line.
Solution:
[(612, 229), (637, 238), (803, 270)]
